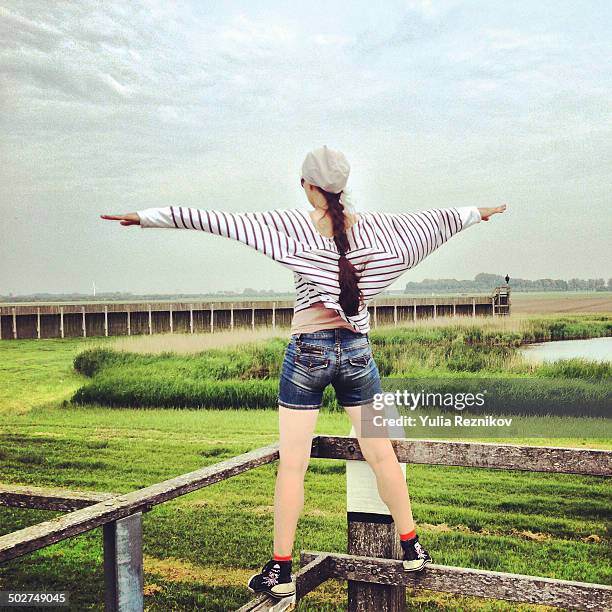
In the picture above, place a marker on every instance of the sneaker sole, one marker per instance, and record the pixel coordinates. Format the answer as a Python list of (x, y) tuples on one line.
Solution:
[(268, 592), (415, 569)]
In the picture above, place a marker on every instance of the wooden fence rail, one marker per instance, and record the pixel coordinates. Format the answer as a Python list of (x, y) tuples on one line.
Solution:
[(121, 517), (584, 461), (38, 536), (44, 498), (463, 581)]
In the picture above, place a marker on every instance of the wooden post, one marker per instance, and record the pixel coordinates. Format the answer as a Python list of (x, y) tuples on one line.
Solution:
[(273, 315), (62, 321), (435, 310), (150, 321), (38, 323), (191, 318), (212, 319), (105, 319), (83, 322), (473, 308), (493, 305), (253, 319), (129, 323), (375, 315), (14, 323), (395, 314), (454, 308), (371, 531), (414, 317), (171, 321), (123, 567), (231, 316)]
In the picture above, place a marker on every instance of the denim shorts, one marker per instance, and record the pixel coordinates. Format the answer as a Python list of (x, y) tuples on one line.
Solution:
[(339, 357)]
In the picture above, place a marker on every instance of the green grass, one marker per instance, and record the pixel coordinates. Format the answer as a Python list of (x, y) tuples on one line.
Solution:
[(200, 549)]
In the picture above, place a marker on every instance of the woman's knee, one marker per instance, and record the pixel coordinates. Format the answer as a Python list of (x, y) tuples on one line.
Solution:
[(292, 461), (377, 450)]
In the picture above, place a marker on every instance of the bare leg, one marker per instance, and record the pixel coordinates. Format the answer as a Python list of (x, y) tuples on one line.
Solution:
[(295, 430), (390, 479)]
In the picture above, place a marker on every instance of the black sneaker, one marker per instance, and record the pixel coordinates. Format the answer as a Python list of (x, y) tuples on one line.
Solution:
[(274, 579), (415, 556)]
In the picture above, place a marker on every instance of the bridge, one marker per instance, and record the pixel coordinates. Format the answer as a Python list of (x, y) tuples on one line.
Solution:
[(69, 320)]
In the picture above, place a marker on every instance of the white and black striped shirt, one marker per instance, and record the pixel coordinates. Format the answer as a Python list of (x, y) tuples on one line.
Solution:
[(382, 246)]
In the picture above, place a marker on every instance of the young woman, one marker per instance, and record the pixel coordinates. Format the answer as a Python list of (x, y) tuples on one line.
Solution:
[(340, 260)]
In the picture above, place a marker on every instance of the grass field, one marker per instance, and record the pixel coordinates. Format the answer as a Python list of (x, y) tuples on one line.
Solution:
[(200, 549), (559, 302)]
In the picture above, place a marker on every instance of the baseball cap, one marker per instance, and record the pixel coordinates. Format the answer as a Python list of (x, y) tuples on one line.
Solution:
[(326, 168)]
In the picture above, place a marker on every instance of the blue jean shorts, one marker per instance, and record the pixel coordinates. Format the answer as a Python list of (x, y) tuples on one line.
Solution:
[(339, 357)]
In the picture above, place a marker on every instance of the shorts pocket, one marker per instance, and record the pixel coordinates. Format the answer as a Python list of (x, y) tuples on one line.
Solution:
[(311, 361), (361, 360)]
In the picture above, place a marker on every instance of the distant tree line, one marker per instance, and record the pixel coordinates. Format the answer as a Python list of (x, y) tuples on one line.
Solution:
[(482, 282), (123, 296), (486, 282)]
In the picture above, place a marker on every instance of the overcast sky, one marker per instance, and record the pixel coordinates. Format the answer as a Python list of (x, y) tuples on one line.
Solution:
[(111, 107)]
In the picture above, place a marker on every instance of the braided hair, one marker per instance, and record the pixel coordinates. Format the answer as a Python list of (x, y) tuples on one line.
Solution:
[(350, 296)]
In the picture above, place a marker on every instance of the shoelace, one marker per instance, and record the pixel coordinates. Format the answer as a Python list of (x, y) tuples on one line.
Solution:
[(272, 577), (420, 550)]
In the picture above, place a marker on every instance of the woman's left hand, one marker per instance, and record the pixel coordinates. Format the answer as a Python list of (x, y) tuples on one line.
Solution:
[(127, 219), (485, 213)]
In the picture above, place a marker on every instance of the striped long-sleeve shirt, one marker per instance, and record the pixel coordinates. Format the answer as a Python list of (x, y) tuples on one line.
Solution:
[(382, 246)]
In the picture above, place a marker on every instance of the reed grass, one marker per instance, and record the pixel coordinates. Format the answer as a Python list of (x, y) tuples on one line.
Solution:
[(179, 372)]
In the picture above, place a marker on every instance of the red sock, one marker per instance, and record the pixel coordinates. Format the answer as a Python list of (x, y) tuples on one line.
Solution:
[(408, 536), (281, 557)]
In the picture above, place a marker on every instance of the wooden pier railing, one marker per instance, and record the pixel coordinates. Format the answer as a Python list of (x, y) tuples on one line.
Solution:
[(65, 320), (121, 517)]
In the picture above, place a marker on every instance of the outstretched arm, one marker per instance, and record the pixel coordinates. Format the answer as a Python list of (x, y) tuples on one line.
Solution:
[(420, 233), (267, 232)]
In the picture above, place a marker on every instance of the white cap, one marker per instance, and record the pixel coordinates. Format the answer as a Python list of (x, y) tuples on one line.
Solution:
[(326, 168)]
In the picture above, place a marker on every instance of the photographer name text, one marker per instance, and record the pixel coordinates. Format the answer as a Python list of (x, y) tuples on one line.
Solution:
[(441, 421)]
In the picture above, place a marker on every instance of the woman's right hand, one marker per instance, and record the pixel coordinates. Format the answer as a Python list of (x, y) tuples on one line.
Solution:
[(485, 213), (126, 219)]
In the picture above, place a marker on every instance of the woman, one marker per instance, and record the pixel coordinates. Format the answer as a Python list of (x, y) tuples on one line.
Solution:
[(340, 261)]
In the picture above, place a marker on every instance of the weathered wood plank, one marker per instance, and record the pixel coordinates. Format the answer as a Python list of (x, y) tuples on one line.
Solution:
[(311, 574), (263, 603), (48, 532), (252, 604), (44, 498), (470, 582), (584, 461)]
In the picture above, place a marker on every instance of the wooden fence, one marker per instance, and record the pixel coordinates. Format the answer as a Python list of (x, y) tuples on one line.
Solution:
[(121, 518)]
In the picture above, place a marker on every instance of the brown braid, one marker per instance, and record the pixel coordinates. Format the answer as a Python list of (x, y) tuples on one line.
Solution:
[(350, 295)]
